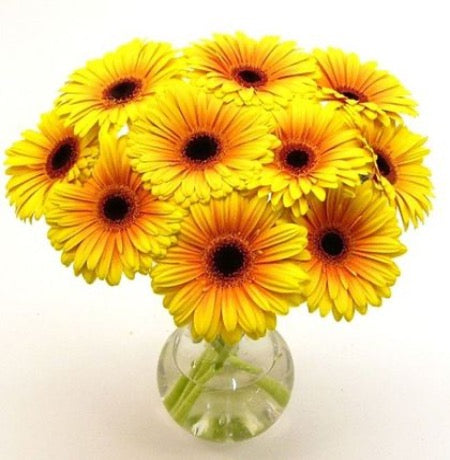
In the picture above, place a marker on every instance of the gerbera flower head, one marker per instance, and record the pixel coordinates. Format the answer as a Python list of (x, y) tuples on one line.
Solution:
[(43, 158), (111, 225), (352, 242), (235, 266), (245, 71), (318, 152), (190, 146), (361, 88), (398, 165), (109, 91)]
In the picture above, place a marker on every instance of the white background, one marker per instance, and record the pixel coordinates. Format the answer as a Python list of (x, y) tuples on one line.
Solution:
[(78, 362)]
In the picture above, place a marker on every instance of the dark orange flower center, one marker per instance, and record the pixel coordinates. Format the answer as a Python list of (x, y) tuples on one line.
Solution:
[(228, 259), (201, 148), (385, 166), (123, 91), (330, 245), (297, 159), (353, 94), (250, 77), (61, 159), (117, 207)]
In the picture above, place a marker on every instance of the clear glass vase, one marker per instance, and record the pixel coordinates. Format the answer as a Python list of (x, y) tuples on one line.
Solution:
[(225, 393)]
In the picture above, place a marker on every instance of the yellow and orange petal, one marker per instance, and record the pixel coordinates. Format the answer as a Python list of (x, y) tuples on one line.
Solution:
[(109, 91), (318, 152), (43, 158), (111, 225), (361, 89), (191, 146), (235, 266), (353, 243), (399, 169), (245, 71)]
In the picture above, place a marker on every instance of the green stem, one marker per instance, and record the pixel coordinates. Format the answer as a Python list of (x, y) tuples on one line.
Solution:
[(187, 389), (174, 396), (274, 388), (181, 410), (206, 370)]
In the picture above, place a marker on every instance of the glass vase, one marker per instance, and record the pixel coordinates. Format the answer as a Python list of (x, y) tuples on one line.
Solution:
[(224, 393)]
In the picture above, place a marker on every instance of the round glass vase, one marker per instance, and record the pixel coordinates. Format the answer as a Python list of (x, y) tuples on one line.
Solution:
[(224, 393)]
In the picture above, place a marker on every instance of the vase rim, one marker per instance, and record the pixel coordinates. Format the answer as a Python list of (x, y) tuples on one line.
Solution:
[(273, 338)]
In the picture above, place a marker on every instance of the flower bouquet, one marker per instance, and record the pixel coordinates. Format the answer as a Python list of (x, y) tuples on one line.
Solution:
[(245, 177)]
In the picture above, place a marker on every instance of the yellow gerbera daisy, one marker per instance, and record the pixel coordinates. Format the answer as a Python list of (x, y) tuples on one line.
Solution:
[(361, 88), (110, 90), (318, 151), (235, 266), (111, 225), (191, 146), (399, 169), (43, 158), (250, 72), (352, 242)]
